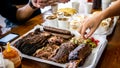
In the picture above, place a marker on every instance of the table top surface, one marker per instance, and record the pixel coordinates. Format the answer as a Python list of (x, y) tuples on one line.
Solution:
[(110, 57)]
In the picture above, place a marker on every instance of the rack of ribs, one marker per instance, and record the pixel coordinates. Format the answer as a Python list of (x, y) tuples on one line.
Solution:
[(78, 55)]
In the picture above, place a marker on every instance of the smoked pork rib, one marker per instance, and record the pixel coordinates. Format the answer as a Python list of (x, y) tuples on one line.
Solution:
[(78, 55), (63, 52)]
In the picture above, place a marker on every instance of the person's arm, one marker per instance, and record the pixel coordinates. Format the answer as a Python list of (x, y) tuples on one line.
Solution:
[(92, 23), (15, 15), (113, 10), (63, 1), (20, 15), (26, 11)]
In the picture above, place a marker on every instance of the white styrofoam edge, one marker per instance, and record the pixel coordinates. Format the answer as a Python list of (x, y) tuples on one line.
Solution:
[(110, 30), (44, 61), (100, 52), (98, 55)]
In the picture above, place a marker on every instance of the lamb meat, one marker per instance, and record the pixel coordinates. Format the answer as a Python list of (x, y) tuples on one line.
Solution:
[(63, 52), (78, 55)]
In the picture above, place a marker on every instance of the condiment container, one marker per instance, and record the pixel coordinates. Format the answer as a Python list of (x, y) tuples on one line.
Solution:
[(12, 54), (63, 23), (52, 21)]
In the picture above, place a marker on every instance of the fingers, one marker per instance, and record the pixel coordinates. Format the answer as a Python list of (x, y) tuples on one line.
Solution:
[(52, 2), (35, 3), (82, 31), (63, 1), (38, 1), (90, 33), (43, 3), (84, 27)]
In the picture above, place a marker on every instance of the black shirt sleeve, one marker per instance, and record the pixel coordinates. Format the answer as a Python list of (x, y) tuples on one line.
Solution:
[(9, 11)]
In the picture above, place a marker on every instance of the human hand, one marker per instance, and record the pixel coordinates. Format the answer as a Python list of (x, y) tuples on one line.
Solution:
[(90, 23), (54, 2), (40, 3), (43, 3), (63, 1)]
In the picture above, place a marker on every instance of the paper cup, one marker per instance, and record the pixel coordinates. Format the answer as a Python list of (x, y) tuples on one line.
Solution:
[(75, 5), (54, 8), (105, 4), (52, 21), (63, 23), (74, 24), (88, 7)]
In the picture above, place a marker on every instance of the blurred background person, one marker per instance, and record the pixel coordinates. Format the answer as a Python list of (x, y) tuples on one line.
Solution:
[(14, 14), (20, 15)]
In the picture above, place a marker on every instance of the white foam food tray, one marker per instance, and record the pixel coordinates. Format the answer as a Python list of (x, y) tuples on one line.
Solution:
[(90, 62)]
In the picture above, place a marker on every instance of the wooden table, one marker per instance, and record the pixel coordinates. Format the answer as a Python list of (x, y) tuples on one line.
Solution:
[(109, 59), (111, 55)]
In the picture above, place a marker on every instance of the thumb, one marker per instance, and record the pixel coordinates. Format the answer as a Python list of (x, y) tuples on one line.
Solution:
[(90, 33)]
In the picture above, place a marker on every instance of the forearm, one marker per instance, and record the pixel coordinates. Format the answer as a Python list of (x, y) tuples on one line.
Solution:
[(24, 13), (113, 10)]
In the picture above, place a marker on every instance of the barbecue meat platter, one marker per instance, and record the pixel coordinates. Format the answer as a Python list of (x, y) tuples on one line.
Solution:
[(60, 47)]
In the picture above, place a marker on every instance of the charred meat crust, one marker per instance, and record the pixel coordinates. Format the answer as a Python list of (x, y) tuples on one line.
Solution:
[(63, 52), (66, 37), (30, 43), (78, 55), (63, 35), (56, 30)]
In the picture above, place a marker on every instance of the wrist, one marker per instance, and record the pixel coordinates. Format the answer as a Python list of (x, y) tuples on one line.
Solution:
[(31, 5), (102, 16)]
